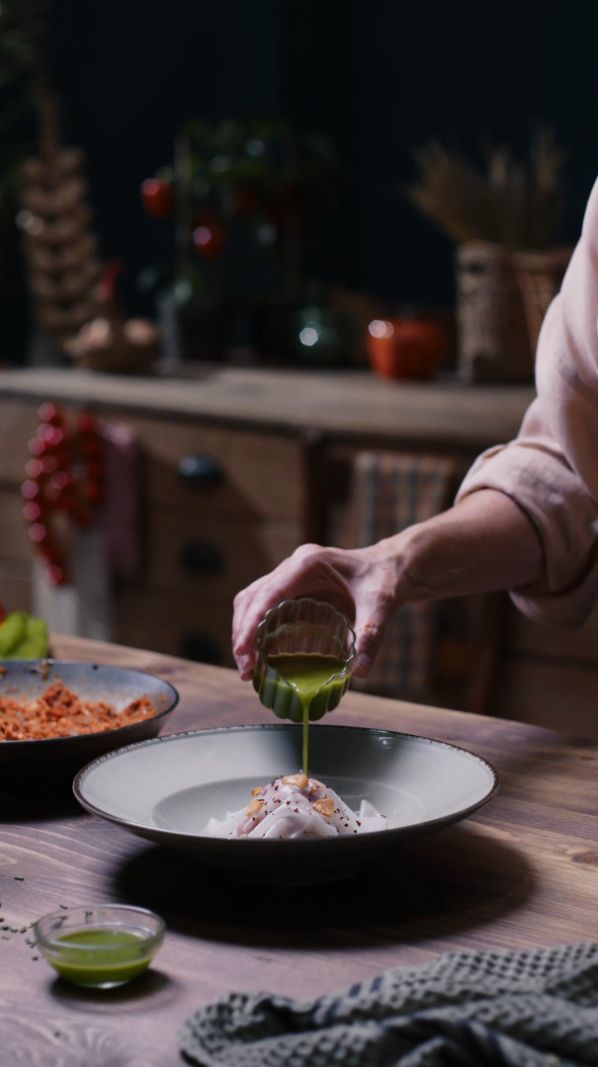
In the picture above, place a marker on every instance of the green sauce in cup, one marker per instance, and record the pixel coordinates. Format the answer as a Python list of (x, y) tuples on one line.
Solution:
[(100, 947), (100, 957), (316, 679)]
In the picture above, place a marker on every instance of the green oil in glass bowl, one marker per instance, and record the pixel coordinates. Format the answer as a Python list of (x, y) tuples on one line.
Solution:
[(101, 947), (305, 652)]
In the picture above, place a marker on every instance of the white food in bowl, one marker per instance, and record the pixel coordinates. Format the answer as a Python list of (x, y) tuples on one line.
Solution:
[(296, 807)]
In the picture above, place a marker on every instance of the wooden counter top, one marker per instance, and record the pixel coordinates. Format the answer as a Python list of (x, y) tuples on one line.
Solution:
[(522, 872), (342, 406)]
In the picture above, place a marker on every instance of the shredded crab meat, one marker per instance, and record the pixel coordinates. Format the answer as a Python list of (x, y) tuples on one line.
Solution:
[(296, 807), (59, 712)]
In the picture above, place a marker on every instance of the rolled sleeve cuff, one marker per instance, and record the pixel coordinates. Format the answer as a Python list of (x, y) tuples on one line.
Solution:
[(565, 517)]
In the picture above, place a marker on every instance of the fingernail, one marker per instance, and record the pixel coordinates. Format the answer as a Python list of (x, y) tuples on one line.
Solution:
[(363, 665), (243, 663)]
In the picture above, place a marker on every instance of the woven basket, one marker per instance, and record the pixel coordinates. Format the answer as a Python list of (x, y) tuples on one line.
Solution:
[(539, 275), (494, 344)]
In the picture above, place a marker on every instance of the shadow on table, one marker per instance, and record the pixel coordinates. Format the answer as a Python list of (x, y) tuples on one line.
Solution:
[(37, 797), (149, 990), (444, 884)]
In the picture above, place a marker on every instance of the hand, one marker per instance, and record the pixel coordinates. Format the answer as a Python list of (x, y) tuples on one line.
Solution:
[(483, 543), (360, 582)]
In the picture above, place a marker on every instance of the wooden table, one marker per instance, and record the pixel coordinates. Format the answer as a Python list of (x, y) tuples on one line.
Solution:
[(522, 872)]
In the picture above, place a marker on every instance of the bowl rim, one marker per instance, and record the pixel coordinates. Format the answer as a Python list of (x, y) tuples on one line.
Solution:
[(54, 944), (37, 666), (340, 843)]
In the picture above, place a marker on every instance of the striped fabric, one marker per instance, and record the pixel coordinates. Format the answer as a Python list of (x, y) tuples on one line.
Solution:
[(392, 491)]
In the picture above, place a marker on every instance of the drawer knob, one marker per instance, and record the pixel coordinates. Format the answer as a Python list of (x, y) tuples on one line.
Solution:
[(201, 647), (200, 469), (200, 557)]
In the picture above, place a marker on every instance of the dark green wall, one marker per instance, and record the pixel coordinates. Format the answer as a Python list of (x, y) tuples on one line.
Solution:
[(378, 76)]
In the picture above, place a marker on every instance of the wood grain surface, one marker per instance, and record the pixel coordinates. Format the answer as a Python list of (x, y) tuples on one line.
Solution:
[(350, 405), (521, 872)]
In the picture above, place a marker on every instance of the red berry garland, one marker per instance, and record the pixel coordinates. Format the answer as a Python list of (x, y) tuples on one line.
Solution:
[(65, 474)]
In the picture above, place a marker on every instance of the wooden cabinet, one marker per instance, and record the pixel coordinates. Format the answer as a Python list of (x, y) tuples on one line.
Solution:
[(17, 424), (216, 509), (550, 677)]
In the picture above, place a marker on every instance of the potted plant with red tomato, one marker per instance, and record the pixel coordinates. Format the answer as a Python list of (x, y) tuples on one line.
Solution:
[(239, 194), (157, 195)]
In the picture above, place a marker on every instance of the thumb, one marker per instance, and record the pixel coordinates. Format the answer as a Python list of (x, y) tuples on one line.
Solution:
[(370, 626)]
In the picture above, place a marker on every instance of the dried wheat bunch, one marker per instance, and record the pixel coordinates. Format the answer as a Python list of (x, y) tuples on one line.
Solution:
[(515, 204)]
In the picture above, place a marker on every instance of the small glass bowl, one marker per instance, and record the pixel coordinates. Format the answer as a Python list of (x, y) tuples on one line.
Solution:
[(100, 947)]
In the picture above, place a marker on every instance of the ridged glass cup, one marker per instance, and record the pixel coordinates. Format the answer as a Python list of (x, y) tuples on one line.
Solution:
[(303, 627)]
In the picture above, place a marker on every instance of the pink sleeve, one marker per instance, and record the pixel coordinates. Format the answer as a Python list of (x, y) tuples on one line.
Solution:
[(551, 469)]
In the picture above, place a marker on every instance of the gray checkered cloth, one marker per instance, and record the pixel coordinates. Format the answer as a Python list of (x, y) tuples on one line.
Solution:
[(532, 1008)]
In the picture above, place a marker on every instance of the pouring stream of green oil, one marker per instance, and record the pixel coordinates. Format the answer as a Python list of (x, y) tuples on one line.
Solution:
[(309, 675)]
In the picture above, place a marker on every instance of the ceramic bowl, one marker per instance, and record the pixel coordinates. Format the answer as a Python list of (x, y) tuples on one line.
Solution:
[(26, 679), (168, 788)]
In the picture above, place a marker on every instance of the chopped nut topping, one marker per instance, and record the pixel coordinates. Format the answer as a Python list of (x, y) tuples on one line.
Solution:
[(256, 792), (325, 807), (255, 805), (300, 780)]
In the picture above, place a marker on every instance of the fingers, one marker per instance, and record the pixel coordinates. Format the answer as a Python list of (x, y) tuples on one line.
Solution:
[(308, 572), (250, 606), (334, 575), (246, 618), (245, 665)]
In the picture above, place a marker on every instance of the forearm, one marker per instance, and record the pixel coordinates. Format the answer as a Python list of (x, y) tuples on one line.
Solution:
[(483, 543)]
